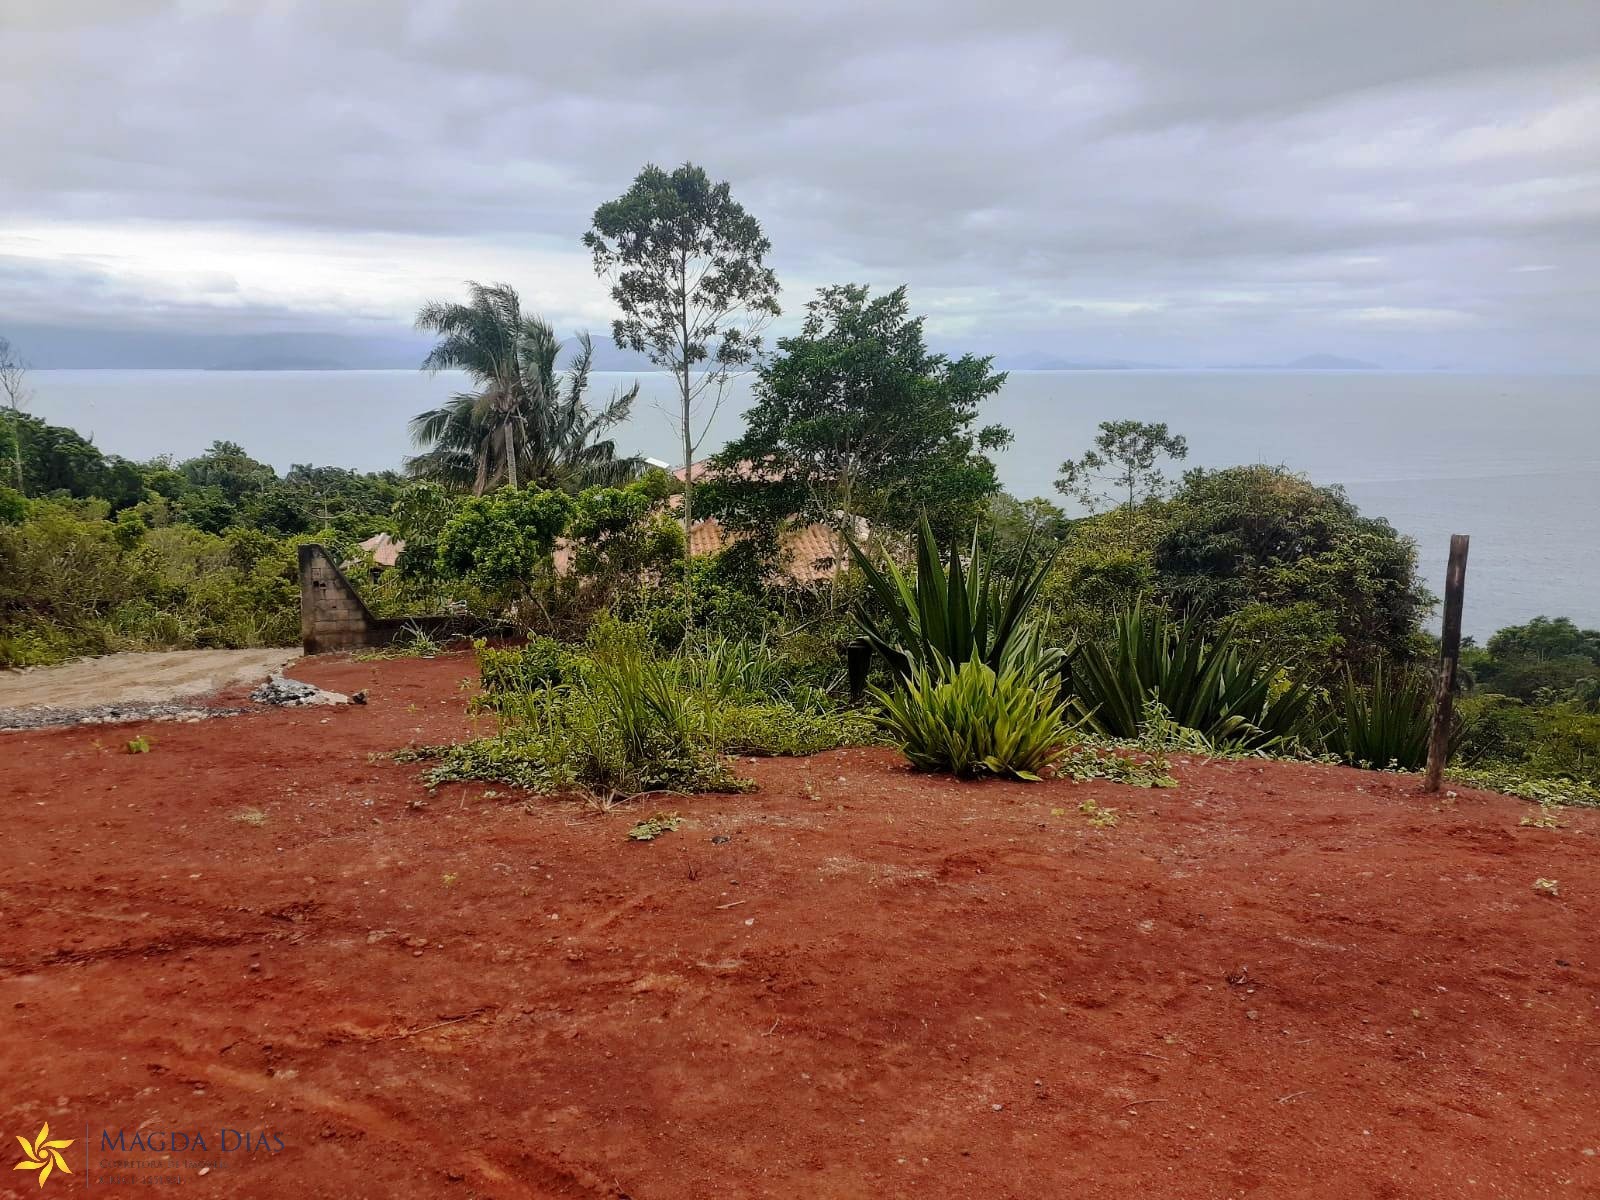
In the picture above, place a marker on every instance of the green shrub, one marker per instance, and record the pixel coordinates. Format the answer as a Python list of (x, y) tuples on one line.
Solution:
[(1496, 728), (1512, 780), (782, 729), (971, 720), (13, 506), (523, 668), (720, 607), (1551, 742), (73, 583), (1233, 697), (574, 738)]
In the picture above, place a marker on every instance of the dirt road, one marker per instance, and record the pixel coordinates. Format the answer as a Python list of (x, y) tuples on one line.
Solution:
[(140, 678)]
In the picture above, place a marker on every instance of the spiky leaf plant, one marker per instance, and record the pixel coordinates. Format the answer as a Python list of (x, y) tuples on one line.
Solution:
[(949, 615), (972, 720), (1205, 680), (1385, 723)]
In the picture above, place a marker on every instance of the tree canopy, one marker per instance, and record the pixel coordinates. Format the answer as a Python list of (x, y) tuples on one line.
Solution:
[(855, 417), (1122, 464), (524, 423), (1294, 560), (687, 267)]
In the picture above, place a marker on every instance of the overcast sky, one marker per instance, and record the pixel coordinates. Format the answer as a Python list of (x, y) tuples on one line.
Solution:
[(1177, 181)]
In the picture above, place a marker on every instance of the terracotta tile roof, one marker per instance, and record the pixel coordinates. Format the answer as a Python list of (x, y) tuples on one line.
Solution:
[(384, 549), (809, 552), (745, 470)]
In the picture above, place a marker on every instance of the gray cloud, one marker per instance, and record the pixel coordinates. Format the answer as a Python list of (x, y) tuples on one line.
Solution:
[(1152, 179)]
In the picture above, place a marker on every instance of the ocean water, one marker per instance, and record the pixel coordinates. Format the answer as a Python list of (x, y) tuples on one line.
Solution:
[(1513, 461)]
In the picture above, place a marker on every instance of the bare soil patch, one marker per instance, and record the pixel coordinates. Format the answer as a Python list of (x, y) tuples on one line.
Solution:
[(140, 678), (1273, 981)]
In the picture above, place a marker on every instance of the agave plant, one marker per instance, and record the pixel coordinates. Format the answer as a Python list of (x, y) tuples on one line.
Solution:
[(1204, 681), (970, 720), (949, 616), (1388, 723)]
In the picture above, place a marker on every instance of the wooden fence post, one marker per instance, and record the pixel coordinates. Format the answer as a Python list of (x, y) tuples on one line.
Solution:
[(1455, 586)]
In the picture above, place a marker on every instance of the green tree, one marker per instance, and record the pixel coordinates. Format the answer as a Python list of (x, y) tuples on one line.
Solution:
[(226, 467), (502, 541), (1547, 659), (1017, 526), (524, 424), (618, 539), (207, 508), (1298, 565), (856, 418), (14, 392), (1122, 463), (687, 267)]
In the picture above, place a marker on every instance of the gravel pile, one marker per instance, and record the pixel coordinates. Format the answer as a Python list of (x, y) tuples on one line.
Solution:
[(277, 691), (45, 717), (292, 693)]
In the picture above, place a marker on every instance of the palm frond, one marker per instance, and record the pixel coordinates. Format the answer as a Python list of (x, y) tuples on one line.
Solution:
[(521, 422)]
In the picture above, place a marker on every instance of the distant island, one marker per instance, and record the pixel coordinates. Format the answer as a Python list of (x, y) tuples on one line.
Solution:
[(394, 349), (1312, 362)]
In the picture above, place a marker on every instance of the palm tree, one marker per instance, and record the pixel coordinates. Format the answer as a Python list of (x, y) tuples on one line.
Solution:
[(560, 443), (520, 426)]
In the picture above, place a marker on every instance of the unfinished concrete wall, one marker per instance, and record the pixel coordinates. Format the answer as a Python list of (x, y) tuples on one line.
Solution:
[(334, 617), (332, 614)]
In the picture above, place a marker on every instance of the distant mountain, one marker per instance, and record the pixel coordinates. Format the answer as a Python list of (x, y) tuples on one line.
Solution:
[(1312, 362), (1330, 362), (48, 347), (52, 347)]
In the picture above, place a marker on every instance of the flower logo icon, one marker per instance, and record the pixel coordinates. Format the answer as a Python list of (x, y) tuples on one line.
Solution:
[(43, 1155)]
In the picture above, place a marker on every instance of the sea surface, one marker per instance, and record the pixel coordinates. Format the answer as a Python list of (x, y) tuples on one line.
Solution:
[(1514, 461)]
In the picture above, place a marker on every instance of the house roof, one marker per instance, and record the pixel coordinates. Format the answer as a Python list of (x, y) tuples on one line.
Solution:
[(385, 550)]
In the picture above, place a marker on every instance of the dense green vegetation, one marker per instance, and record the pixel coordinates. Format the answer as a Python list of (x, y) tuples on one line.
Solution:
[(102, 554), (1533, 706), (1241, 610)]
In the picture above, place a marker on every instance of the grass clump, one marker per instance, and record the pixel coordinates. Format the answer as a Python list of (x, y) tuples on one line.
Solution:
[(413, 642), (614, 717)]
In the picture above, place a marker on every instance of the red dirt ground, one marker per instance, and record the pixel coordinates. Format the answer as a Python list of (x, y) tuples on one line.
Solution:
[(1271, 981)]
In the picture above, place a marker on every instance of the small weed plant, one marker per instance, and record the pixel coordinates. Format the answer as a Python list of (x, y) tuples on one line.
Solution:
[(652, 827), (413, 642)]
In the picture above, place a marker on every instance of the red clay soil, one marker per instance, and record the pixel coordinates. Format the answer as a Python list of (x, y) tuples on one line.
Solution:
[(1272, 981)]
